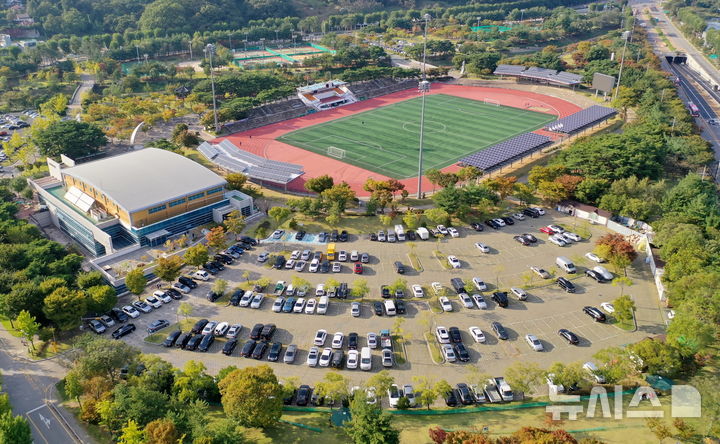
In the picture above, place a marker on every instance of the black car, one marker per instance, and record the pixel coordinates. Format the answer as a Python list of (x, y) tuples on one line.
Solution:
[(223, 258), (373, 237), (217, 265), (259, 350), (384, 291), (257, 288), (569, 336), (334, 236), (594, 275), (124, 330), (287, 400), (324, 266), (193, 343), (492, 224), (210, 268), (378, 308), (522, 240), (274, 353), (199, 325), (501, 298), (353, 341), (229, 347), (337, 359), (182, 341), (157, 325), (212, 296), (206, 342), (235, 298), (249, 240), (566, 285), (322, 237), (400, 307), (466, 397), (477, 226), (303, 395), (279, 262), (462, 353), (343, 236), (531, 212), (343, 291), (451, 399), (399, 268), (499, 330), (300, 235), (118, 315), (247, 348), (529, 237), (458, 285), (508, 220), (173, 293), (256, 330), (410, 234), (594, 313), (267, 332), (189, 282), (454, 334)]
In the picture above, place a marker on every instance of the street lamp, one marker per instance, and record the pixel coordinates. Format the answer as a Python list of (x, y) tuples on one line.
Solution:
[(209, 51), (423, 87), (478, 21), (262, 42), (522, 14)]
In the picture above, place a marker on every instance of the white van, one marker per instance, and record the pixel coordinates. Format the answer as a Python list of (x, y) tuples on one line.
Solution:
[(591, 368), (565, 264), (390, 307), (423, 233), (602, 271), (202, 275), (322, 305), (365, 359), (400, 231)]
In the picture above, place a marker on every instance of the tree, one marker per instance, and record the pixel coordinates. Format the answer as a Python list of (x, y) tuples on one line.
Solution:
[(502, 185), (689, 332), (524, 193), (279, 213), (234, 222), (411, 219), (319, 184), (369, 424), (425, 390), (624, 308), (27, 326), (14, 429), (196, 255), (236, 181), (660, 358), (132, 434), (359, 288), (100, 298), (252, 396), (70, 137), (341, 196), (621, 253), (216, 238), (524, 376), (168, 268), (381, 380), (442, 387), (334, 385), (65, 307), (135, 281), (567, 375), (185, 309), (87, 280), (161, 431), (99, 356), (622, 282), (437, 215), (219, 286)]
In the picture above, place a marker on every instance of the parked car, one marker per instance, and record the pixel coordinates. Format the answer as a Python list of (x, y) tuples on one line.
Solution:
[(274, 353), (418, 291), (501, 298), (534, 342), (594, 257), (479, 301), (290, 354), (464, 393), (172, 338), (313, 356), (479, 284), (499, 330), (445, 303), (454, 261), (569, 336), (541, 272), (387, 357), (594, 313), (123, 330), (566, 285), (448, 352), (477, 334), (355, 309), (462, 353), (156, 325), (482, 247)]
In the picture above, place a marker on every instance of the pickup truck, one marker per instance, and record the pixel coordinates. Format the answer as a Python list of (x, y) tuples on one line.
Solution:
[(385, 339), (504, 388), (279, 288), (491, 392)]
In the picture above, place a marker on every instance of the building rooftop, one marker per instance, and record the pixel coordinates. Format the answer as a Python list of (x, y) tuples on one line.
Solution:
[(144, 178)]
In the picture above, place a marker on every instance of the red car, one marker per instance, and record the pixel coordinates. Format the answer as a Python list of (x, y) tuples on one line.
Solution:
[(547, 230), (358, 268)]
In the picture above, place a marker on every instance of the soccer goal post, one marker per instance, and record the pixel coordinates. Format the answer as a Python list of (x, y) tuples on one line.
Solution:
[(491, 102), (336, 152)]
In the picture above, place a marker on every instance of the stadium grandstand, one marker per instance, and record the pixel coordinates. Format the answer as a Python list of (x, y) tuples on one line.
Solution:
[(259, 169), (540, 75), (326, 95)]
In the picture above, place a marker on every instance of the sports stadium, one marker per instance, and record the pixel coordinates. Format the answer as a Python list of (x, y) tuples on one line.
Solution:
[(372, 130)]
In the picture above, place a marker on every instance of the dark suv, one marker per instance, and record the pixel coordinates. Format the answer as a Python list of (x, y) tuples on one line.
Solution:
[(399, 268), (566, 285), (458, 285), (594, 313), (501, 298)]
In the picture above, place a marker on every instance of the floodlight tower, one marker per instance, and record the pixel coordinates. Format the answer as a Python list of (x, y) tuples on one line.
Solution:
[(423, 87), (209, 51)]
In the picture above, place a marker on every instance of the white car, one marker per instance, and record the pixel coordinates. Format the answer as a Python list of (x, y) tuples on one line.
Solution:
[(234, 331), (539, 210), (154, 302), (257, 300), (320, 290), (448, 353), (541, 272), (278, 304), (299, 305), (409, 393), (277, 234), (466, 300), (442, 335), (299, 266), (608, 307), (453, 261), (337, 340), (324, 360), (310, 306), (336, 267), (352, 359), (479, 284), (558, 240), (295, 255), (594, 257), (209, 327), (246, 299), (314, 264), (394, 395), (442, 230), (437, 287), (534, 343), (182, 288), (221, 329), (354, 256), (320, 337), (131, 311), (445, 303), (572, 236), (342, 256), (305, 255), (477, 334), (290, 264), (519, 292), (355, 309), (519, 216), (313, 356), (552, 387), (372, 341), (556, 228), (453, 232), (479, 301), (418, 291), (482, 247), (499, 222), (164, 297)]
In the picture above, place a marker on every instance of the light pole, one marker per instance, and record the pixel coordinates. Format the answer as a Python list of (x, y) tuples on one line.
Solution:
[(276, 36), (262, 42), (423, 87), (478, 22), (190, 45), (209, 51), (522, 15), (137, 50), (626, 36)]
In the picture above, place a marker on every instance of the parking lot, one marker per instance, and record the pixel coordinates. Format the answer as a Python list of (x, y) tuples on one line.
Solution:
[(547, 308)]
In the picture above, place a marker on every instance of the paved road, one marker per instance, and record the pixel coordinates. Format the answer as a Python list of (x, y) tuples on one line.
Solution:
[(31, 388), (88, 81)]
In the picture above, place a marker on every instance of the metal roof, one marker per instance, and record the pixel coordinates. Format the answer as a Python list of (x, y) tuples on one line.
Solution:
[(145, 178)]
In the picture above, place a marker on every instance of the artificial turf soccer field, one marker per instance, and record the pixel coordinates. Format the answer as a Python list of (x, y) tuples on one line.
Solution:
[(386, 139)]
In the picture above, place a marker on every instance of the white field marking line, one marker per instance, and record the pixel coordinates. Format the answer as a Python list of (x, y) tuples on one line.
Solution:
[(35, 409)]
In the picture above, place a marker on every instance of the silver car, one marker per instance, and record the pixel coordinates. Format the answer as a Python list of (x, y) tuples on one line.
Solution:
[(290, 354)]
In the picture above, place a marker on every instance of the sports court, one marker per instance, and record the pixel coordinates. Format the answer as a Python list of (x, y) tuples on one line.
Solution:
[(385, 140)]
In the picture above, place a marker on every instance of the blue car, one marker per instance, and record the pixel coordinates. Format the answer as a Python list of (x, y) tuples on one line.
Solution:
[(288, 305)]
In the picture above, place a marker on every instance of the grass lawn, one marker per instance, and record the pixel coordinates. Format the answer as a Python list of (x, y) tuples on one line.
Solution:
[(385, 139)]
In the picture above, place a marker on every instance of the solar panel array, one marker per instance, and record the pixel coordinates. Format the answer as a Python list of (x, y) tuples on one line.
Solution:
[(507, 151), (535, 73), (230, 157), (581, 119)]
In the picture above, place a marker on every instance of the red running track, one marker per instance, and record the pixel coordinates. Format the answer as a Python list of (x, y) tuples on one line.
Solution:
[(261, 141)]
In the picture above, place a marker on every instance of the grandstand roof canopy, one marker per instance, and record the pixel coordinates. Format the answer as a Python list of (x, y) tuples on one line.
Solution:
[(581, 119), (145, 178), (321, 85), (542, 74)]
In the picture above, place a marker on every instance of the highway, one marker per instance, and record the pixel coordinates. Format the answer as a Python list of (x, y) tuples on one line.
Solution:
[(685, 74)]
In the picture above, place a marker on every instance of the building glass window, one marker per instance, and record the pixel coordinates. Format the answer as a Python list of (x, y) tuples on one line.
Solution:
[(156, 209), (214, 190), (177, 202), (196, 196)]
